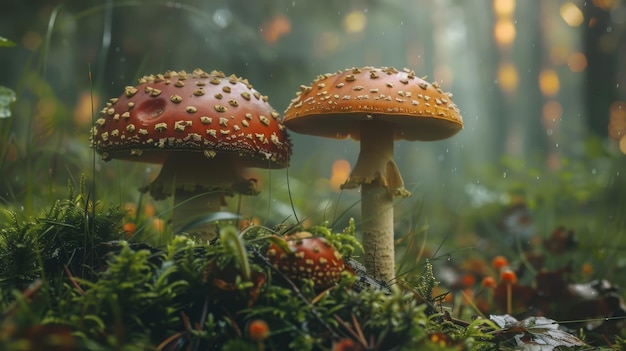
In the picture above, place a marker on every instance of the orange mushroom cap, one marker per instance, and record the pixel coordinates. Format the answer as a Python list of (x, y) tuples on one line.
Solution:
[(508, 276), (335, 104), (200, 112)]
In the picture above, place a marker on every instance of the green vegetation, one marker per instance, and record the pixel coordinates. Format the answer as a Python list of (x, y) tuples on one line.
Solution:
[(69, 280), (87, 262)]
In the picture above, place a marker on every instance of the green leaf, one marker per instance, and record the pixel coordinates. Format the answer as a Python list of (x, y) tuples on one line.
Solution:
[(7, 96), (4, 42)]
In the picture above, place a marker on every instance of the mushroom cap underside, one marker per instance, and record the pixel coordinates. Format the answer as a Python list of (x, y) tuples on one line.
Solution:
[(344, 125), (334, 105), (250, 159), (201, 112)]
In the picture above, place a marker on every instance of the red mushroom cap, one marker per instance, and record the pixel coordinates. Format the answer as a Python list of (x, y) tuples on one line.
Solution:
[(204, 112), (334, 105), (310, 258)]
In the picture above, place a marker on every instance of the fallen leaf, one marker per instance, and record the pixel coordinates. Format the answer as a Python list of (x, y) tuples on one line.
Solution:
[(534, 333)]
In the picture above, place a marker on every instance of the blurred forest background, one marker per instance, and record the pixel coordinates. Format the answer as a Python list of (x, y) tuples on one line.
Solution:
[(541, 86)]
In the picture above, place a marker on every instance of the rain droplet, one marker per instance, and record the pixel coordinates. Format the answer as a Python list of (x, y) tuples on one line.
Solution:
[(594, 171), (503, 174)]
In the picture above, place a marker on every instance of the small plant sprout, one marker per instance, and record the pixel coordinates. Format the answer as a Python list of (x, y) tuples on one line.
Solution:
[(230, 239), (375, 106)]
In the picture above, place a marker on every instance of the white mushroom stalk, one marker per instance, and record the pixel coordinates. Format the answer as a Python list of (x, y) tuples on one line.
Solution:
[(376, 106), (379, 178)]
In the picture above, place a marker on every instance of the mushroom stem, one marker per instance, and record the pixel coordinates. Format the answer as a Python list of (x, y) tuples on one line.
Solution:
[(190, 207), (378, 241), (380, 180), (199, 185)]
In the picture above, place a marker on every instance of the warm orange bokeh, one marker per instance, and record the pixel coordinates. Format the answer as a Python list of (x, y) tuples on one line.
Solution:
[(340, 173), (549, 82), (354, 22), (508, 77), (571, 14), (158, 224), (503, 7), (275, 28), (577, 62), (606, 4), (504, 32), (84, 111)]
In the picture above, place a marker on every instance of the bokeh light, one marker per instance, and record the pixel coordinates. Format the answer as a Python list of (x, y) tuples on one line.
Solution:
[(503, 8), (508, 77), (275, 28), (549, 82), (577, 62), (354, 22), (559, 54), (571, 14), (504, 32), (605, 4), (617, 120), (83, 112), (339, 174)]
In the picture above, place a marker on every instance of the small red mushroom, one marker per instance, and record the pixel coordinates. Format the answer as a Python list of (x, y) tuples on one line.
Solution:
[(204, 128), (310, 257)]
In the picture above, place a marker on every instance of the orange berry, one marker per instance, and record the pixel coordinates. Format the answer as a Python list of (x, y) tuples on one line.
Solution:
[(499, 262), (345, 344), (587, 269), (508, 276), (129, 228), (158, 224), (258, 330), (488, 282), (468, 280), (149, 210)]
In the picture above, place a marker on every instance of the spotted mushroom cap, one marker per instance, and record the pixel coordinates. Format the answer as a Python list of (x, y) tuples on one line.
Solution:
[(310, 258), (335, 104), (198, 111)]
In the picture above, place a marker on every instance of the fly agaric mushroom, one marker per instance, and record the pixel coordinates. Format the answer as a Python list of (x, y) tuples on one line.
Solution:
[(205, 128), (375, 106), (310, 257)]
